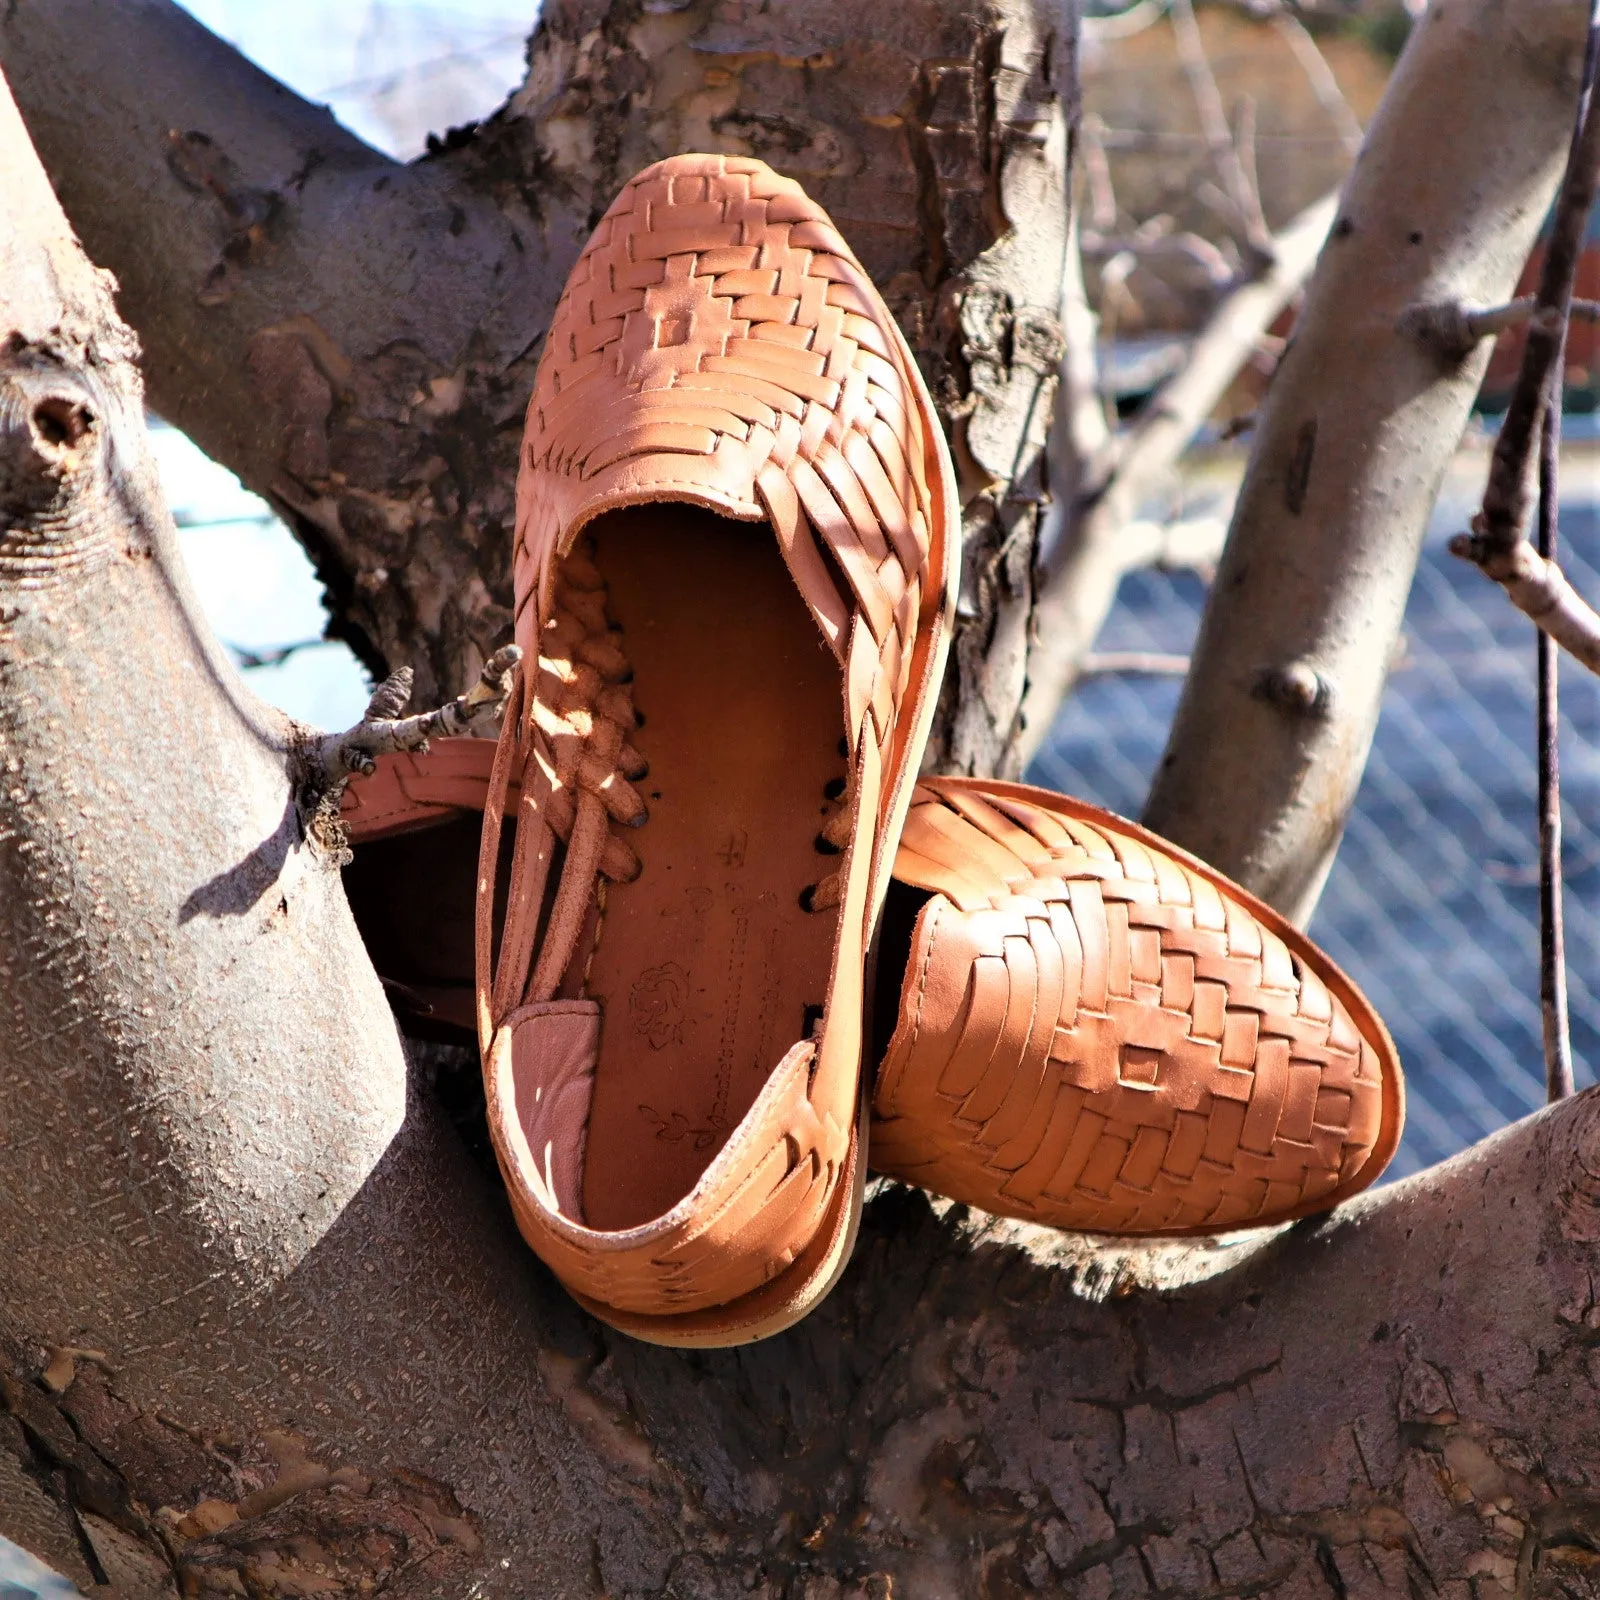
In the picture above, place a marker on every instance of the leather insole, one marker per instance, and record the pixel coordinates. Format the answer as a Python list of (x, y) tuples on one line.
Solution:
[(708, 968)]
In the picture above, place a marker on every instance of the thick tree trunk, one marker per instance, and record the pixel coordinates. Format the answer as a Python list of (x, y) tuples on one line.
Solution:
[(322, 1361)]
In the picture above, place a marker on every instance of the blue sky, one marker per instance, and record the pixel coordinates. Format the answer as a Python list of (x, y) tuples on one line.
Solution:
[(391, 70)]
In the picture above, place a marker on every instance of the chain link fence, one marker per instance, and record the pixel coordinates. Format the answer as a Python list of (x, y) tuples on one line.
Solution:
[(1433, 902)]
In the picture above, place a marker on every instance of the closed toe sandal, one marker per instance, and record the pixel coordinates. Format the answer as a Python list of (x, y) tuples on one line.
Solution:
[(1099, 1032), (734, 574)]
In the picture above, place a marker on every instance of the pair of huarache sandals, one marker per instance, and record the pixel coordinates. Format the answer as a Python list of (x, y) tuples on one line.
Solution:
[(736, 558)]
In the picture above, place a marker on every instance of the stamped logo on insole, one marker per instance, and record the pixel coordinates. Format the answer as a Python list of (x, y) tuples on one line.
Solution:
[(677, 1127), (659, 1003), (694, 1102)]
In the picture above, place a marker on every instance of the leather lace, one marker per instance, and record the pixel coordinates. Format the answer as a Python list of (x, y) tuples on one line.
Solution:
[(579, 781)]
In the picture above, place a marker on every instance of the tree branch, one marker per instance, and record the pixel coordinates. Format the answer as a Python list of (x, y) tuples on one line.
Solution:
[(1502, 522), (1354, 437), (336, 328), (1088, 541), (382, 731), (1498, 543), (1539, 589), (330, 1366), (1243, 201), (372, 360), (1456, 328), (1556, 1023), (1320, 76)]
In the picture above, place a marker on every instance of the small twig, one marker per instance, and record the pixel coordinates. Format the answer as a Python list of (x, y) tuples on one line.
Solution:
[(1456, 328), (1320, 76), (1079, 430), (1556, 1026), (1539, 589), (1244, 142), (1119, 138), (1143, 246), (382, 730), (1243, 200), (1097, 175), (1149, 663), (1114, 295)]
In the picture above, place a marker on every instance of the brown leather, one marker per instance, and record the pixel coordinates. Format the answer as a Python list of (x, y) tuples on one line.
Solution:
[(1099, 1032), (415, 827), (671, 1024), (417, 788)]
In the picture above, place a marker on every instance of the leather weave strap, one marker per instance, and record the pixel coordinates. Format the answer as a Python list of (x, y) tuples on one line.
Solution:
[(766, 383), (1099, 1032)]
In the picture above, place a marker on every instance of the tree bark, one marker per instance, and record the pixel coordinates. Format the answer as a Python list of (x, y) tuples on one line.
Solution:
[(1087, 545), (1364, 413), (357, 339), (266, 1327)]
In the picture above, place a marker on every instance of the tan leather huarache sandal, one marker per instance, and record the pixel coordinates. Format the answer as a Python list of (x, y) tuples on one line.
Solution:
[(736, 542), (1099, 1032), (1014, 896)]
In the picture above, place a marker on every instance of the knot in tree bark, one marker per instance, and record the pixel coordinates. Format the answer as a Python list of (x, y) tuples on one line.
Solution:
[(54, 466)]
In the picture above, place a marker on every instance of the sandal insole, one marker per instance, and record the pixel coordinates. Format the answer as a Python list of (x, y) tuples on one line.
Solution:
[(708, 968)]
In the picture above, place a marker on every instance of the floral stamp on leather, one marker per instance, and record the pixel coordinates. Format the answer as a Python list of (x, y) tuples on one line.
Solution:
[(658, 1002)]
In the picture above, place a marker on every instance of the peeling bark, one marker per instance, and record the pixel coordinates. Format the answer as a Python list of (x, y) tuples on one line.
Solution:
[(357, 339)]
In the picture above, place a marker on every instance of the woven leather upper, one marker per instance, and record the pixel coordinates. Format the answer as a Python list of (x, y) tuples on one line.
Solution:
[(717, 343), (1099, 1032)]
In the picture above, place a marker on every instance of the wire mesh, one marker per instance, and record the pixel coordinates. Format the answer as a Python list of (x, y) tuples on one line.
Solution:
[(1433, 902)]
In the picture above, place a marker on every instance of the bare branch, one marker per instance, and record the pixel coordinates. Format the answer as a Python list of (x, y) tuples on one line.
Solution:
[(1498, 543), (1097, 176), (1320, 76), (1109, 663), (1243, 201), (1502, 522), (1079, 428), (1244, 143), (382, 731), (1540, 590), (346, 333), (1085, 557), (1116, 138), (1556, 1025), (216, 195), (1455, 328), (1354, 437), (1163, 431)]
